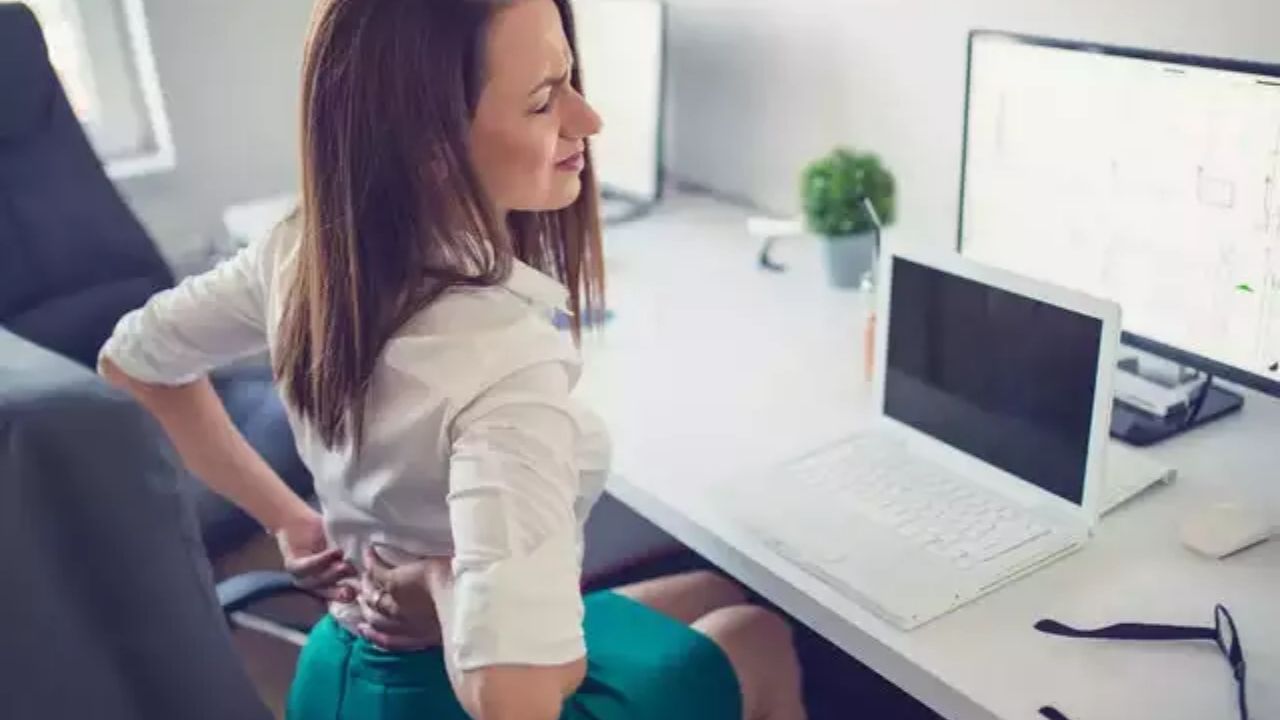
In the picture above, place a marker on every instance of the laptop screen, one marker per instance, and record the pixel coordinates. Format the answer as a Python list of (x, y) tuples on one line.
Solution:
[(997, 375)]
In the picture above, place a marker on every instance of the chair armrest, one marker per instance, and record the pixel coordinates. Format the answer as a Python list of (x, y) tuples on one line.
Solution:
[(239, 592)]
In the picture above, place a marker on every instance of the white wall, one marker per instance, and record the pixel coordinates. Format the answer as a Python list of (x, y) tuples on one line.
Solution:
[(759, 87), (229, 71)]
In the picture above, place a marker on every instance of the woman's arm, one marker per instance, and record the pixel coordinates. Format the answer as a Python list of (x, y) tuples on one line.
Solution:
[(509, 601), (161, 353), (502, 692)]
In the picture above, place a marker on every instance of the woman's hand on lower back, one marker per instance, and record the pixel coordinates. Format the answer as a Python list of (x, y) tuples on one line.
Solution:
[(314, 565), (399, 610)]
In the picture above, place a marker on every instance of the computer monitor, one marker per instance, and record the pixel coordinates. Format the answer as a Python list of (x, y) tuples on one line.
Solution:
[(621, 44), (1148, 178)]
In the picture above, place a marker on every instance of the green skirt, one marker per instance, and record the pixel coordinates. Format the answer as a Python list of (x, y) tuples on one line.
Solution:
[(640, 664)]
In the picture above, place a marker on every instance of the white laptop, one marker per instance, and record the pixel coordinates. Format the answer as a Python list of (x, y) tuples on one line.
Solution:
[(987, 452)]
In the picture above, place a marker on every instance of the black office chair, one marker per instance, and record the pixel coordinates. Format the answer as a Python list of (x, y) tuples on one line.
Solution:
[(74, 259)]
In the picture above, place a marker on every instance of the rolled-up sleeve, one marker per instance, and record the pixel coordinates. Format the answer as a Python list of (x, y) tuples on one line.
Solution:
[(208, 320), (513, 481)]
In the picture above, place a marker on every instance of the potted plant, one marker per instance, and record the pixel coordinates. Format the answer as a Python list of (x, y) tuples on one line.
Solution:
[(836, 191)]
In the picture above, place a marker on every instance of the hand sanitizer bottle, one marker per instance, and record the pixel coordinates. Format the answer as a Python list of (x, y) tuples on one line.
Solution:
[(867, 289)]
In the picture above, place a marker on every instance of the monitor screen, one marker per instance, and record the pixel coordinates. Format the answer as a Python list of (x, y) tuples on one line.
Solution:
[(1002, 377), (620, 45), (1149, 179)]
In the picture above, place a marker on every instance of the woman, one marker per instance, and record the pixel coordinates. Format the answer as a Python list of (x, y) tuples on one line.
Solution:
[(448, 209)]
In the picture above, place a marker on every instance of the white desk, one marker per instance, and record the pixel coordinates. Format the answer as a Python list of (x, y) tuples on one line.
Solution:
[(713, 368)]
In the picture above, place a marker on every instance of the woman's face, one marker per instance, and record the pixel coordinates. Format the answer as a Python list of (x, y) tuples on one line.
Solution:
[(528, 133)]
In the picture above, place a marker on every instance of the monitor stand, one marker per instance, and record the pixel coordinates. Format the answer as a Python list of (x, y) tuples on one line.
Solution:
[(1206, 403)]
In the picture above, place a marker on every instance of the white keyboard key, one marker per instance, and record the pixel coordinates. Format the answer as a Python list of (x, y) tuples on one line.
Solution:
[(1002, 541)]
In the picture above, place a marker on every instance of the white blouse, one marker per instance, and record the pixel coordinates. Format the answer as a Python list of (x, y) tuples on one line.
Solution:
[(473, 446)]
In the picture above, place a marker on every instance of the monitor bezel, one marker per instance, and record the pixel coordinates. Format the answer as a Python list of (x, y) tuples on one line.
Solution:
[(609, 191)]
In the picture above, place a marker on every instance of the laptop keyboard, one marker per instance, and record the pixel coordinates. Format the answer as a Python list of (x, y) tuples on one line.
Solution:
[(875, 479)]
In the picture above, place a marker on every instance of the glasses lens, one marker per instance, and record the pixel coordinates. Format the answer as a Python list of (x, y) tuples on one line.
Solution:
[(1227, 637), (1226, 629)]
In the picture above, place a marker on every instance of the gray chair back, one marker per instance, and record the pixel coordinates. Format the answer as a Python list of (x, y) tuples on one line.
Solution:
[(109, 603)]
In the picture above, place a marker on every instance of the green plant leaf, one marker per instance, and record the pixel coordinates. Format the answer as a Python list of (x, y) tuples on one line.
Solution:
[(832, 189)]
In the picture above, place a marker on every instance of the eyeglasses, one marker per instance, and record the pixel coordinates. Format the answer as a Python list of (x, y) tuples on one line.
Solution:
[(1223, 634)]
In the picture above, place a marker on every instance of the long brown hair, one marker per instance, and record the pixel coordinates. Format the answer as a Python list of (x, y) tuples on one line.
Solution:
[(393, 214)]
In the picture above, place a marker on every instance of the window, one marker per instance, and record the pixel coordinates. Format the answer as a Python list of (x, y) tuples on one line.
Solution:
[(102, 54)]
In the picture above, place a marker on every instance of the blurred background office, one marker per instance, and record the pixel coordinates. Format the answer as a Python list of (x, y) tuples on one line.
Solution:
[(753, 90)]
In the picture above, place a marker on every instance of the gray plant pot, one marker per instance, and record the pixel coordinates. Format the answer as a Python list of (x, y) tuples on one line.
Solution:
[(849, 257)]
